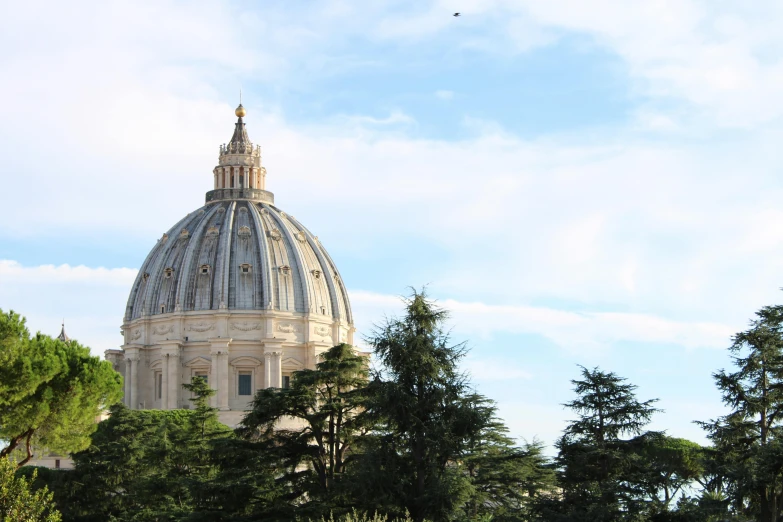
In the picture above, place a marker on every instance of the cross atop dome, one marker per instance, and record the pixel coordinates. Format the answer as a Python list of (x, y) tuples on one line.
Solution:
[(239, 174)]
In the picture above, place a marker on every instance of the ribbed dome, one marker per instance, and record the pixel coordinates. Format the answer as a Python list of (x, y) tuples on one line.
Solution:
[(239, 255)]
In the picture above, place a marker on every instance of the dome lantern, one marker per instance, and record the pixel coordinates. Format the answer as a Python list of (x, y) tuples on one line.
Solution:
[(239, 174)]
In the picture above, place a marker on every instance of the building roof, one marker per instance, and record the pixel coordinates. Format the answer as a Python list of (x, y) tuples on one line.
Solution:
[(239, 252)]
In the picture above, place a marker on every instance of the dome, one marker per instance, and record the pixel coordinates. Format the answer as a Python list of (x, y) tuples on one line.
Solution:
[(238, 255), (238, 293)]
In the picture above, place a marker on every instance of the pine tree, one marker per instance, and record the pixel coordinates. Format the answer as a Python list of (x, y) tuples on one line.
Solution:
[(426, 417), (50, 391), (599, 471), (506, 478), (311, 429), (748, 443)]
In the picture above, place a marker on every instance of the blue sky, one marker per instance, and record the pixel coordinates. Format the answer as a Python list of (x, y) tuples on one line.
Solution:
[(592, 183)]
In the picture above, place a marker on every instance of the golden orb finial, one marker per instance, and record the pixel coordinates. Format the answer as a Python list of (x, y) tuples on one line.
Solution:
[(240, 112)]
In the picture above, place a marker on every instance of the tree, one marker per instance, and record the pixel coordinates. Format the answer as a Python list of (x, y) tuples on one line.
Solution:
[(312, 427), (600, 473), (671, 464), (18, 502), (143, 465), (506, 479), (748, 439), (56, 392), (426, 417)]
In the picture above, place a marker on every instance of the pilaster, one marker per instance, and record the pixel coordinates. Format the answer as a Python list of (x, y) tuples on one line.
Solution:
[(219, 350), (172, 373)]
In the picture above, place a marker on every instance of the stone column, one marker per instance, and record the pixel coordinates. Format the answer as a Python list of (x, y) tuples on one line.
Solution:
[(172, 373), (128, 370), (164, 385), (223, 392), (219, 379), (277, 369), (174, 384), (134, 385), (267, 369)]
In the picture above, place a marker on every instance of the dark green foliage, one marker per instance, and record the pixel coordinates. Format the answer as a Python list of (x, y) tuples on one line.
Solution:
[(749, 455), (671, 465), (310, 430), (426, 417), (506, 479), (143, 465), (51, 391), (600, 472)]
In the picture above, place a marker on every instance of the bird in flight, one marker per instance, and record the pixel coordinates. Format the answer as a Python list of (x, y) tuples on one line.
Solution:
[(457, 14)]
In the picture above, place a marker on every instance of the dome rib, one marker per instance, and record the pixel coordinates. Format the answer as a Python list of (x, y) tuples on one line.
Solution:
[(263, 255), (222, 262), (187, 263), (325, 270), (295, 258)]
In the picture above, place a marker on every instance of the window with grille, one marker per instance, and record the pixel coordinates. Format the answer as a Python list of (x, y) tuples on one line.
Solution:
[(286, 381), (245, 384)]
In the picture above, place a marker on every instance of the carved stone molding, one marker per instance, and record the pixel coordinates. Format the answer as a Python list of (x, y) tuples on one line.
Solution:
[(287, 327), (323, 331), (275, 234), (246, 327), (301, 237), (201, 327), (136, 334), (162, 329)]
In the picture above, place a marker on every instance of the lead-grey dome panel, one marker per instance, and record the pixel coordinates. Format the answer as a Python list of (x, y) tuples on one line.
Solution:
[(238, 255)]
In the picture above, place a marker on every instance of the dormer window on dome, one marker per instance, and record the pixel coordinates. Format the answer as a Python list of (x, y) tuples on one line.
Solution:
[(285, 270), (205, 269), (168, 272), (245, 268)]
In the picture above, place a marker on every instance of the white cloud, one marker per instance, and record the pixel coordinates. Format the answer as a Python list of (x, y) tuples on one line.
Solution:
[(574, 332), (12, 272), (90, 300), (444, 94)]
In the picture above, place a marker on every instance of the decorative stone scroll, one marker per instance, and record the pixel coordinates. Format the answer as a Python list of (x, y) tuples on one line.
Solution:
[(162, 329), (301, 237), (287, 328), (246, 327), (201, 327), (323, 331), (275, 234)]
